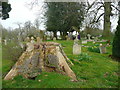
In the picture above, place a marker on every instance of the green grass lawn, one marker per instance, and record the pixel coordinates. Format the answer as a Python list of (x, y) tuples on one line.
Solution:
[(100, 72)]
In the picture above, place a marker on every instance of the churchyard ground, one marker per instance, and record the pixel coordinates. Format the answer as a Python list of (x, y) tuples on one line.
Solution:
[(93, 70)]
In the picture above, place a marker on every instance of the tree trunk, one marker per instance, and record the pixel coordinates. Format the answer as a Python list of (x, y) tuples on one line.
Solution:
[(107, 23), (64, 35), (55, 34)]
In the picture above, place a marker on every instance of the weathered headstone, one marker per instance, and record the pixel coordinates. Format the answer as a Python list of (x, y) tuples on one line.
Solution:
[(96, 39), (76, 47), (27, 39), (70, 36), (54, 39), (30, 47), (102, 49), (39, 40)]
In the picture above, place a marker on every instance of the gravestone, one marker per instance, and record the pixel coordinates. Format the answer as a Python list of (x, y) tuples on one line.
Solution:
[(84, 42), (30, 47), (96, 39), (70, 36), (39, 40), (27, 39), (85, 38), (5, 41), (0, 40), (21, 45), (102, 49), (76, 47), (89, 36), (54, 39), (32, 40)]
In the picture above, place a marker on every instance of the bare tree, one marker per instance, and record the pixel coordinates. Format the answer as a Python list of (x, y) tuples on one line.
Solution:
[(103, 9)]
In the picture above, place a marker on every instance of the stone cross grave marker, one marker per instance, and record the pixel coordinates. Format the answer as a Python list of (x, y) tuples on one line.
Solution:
[(89, 36)]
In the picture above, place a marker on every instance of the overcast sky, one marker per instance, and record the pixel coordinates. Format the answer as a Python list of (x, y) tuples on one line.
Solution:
[(21, 13)]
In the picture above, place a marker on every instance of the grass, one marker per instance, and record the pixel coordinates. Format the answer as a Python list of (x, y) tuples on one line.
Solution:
[(100, 72), (0, 66)]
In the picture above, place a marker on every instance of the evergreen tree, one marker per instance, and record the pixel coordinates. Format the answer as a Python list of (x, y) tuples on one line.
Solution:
[(116, 42), (6, 8), (62, 16)]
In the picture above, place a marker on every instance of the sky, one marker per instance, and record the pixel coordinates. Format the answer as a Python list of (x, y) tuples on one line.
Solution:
[(21, 13)]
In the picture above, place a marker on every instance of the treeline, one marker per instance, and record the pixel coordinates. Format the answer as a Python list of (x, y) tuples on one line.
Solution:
[(62, 16)]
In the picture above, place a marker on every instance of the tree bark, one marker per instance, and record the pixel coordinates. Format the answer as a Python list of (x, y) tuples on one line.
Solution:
[(46, 56), (107, 23), (55, 34)]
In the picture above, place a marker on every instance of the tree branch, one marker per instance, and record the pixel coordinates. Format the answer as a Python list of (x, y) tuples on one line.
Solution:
[(115, 7)]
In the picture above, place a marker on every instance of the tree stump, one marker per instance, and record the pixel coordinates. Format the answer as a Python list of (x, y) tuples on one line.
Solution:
[(45, 56)]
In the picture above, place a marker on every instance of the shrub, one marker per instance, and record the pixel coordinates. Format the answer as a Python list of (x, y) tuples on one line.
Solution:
[(11, 51), (84, 57), (94, 48)]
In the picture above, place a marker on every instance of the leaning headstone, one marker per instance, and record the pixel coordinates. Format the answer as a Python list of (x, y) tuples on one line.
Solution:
[(102, 49), (54, 39), (76, 47)]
